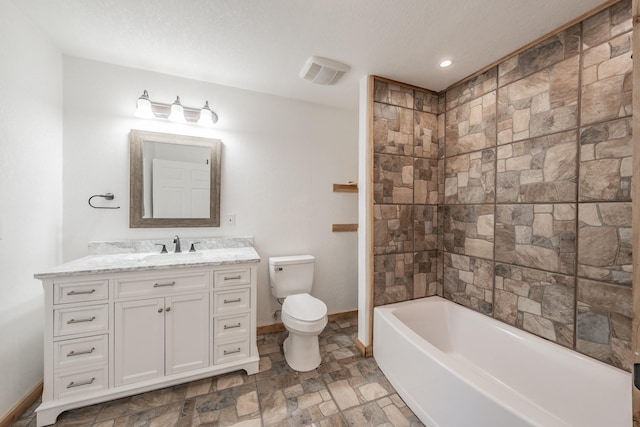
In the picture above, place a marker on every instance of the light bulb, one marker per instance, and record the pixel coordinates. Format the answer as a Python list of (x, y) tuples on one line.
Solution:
[(445, 63), (206, 116), (177, 112), (143, 108)]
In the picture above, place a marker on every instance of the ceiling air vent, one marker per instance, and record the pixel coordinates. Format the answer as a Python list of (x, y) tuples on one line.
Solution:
[(323, 71)]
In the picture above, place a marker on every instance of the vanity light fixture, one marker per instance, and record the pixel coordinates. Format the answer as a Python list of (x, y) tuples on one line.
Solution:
[(175, 112)]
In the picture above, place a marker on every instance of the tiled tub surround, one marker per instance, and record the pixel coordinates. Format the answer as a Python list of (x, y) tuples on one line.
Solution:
[(406, 194), (118, 324), (345, 390), (533, 174), (562, 188)]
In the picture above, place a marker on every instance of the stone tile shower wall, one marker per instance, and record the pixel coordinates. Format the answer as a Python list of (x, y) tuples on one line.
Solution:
[(537, 176), (406, 195), (511, 193)]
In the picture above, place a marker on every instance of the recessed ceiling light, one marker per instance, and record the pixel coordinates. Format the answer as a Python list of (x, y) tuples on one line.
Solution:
[(445, 63)]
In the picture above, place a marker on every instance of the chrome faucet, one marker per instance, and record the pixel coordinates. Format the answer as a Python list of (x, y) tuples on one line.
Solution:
[(176, 240)]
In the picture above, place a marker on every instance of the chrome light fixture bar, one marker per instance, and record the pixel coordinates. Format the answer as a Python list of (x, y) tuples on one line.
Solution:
[(175, 112)]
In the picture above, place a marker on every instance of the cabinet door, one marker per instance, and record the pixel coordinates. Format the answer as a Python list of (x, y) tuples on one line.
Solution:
[(139, 340), (187, 332)]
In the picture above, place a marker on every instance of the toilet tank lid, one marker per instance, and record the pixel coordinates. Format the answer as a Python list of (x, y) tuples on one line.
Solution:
[(287, 260)]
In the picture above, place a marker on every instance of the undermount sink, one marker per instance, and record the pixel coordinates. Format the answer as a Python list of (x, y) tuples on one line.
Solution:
[(172, 257)]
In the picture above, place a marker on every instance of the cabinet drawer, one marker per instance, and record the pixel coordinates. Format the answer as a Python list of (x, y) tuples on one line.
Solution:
[(236, 276), (90, 290), (79, 382), (80, 352), (150, 285), (78, 320), (231, 301), (227, 352), (231, 326)]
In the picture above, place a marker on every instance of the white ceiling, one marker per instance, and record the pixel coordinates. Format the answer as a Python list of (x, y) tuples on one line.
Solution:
[(261, 45)]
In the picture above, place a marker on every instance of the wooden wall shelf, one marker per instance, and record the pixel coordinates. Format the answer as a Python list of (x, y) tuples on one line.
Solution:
[(344, 227), (351, 187), (345, 188)]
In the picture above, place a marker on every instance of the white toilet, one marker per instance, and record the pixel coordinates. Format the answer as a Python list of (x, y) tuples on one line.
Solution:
[(304, 316)]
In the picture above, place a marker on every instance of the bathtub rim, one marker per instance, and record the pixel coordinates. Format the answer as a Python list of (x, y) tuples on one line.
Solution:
[(387, 310)]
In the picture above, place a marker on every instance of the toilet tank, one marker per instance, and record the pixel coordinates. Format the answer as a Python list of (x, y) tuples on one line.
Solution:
[(289, 275)]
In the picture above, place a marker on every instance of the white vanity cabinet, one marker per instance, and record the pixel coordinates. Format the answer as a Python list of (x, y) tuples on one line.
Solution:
[(161, 325), (232, 324), (120, 333), (160, 336), (78, 347)]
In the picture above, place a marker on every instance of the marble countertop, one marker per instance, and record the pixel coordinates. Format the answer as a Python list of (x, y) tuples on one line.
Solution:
[(124, 262)]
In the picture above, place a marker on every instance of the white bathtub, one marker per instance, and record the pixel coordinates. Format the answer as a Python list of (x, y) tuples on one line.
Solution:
[(457, 368)]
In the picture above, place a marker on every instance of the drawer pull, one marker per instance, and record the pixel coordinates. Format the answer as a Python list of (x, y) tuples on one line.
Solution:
[(227, 352), (161, 285), (89, 319), (78, 353), (74, 384), (229, 301), (238, 277), (81, 292), (237, 325)]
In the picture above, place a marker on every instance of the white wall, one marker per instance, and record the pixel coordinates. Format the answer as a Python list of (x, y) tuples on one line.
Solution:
[(280, 159), (30, 194)]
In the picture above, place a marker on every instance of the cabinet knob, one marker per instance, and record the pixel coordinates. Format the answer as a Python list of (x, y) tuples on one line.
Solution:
[(159, 310), (167, 309)]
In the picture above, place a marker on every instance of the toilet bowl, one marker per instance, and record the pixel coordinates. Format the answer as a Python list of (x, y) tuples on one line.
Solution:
[(305, 317)]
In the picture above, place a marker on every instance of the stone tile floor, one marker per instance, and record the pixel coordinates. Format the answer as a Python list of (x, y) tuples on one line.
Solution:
[(345, 390)]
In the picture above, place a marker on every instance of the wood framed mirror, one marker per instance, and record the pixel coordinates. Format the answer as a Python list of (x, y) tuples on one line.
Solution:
[(174, 180)]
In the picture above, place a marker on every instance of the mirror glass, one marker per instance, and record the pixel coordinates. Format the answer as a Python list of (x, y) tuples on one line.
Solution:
[(174, 180)]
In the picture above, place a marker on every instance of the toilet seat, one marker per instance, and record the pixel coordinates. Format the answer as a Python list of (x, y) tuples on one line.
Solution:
[(304, 307), (304, 314)]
